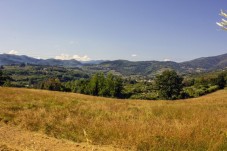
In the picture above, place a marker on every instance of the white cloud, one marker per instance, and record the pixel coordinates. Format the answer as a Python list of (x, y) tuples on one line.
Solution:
[(167, 59), (134, 55), (13, 52), (76, 57), (63, 57), (38, 57), (81, 58)]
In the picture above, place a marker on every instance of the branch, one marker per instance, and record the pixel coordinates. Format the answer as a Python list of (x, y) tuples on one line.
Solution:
[(223, 14), (223, 23)]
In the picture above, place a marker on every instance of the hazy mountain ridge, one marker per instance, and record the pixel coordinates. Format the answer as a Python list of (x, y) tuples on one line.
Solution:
[(125, 67), (138, 68), (208, 63), (8, 59)]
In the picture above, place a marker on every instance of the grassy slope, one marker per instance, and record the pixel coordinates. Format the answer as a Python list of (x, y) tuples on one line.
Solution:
[(195, 124), (15, 139)]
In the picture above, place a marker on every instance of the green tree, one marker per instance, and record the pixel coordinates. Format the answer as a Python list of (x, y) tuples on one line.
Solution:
[(1, 78), (169, 85), (110, 85), (7, 83), (102, 89), (94, 85), (4, 78), (80, 86), (51, 84), (114, 86), (118, 87), (220, 81)]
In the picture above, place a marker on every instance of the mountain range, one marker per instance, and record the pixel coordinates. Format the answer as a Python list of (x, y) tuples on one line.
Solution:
[(125, 67)]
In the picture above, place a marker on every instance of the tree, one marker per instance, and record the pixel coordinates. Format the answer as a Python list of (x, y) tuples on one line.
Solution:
[(223, 23), (51, 84), (221, 81), (169, 85), (1, 78), (94, 85), (114, 85), (4, 78), (118, 87), (109, 86), (102, 85)]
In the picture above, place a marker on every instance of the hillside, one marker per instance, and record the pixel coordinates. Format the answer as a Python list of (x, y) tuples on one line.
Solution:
[(207, 63), (193, 124), (151, 68), (15, 139), (7, 59), (142, 68), (125, 67)]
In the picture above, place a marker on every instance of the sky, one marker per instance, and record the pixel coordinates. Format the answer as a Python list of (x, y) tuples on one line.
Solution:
[(176, 30)]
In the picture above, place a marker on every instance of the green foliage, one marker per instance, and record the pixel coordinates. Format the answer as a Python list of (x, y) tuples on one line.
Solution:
[(94, 84), (7, 83), (4, 79), (1, 78), (199, 91), (78, 86), (31, 75), (114, 86), (51, 84), (221, 82), (169, 85), (110, 86), (206, 83), (98, 85)]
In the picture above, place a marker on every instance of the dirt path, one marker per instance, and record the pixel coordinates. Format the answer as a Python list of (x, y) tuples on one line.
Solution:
[(14, 139)]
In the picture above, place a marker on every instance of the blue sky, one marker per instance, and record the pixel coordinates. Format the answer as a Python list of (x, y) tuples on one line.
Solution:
[(177, 30)]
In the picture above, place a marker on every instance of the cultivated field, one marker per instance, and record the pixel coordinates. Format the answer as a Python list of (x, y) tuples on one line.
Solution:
[(193, 124)]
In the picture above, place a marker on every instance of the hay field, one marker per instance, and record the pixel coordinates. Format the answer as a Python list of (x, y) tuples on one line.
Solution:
[(193, 124)]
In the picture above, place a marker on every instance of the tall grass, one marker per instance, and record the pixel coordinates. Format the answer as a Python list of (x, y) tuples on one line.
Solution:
[(194, 124)]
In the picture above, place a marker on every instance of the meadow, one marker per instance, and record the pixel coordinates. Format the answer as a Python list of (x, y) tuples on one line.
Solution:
[(191, 124)]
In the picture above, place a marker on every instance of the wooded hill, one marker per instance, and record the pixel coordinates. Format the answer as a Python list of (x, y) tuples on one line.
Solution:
[(125, 67)]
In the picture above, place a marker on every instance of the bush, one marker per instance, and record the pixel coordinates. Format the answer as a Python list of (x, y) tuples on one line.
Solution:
[(196, 91)]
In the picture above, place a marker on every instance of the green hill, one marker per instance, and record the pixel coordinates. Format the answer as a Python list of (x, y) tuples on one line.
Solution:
[(124, 67)]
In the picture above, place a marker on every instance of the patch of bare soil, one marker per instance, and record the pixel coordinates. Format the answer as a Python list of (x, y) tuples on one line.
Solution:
[(14, 139)]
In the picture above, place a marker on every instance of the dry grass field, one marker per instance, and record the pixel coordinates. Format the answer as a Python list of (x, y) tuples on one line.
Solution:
[(193, 124)]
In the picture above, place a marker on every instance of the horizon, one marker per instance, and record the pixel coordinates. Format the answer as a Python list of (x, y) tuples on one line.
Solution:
[(112, 30), (115, 59)]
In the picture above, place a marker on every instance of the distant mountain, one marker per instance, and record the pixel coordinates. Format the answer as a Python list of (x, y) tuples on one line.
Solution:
[(125, 67), (151, 68), (207, 63), (144, 68), (93, 62), (8, 59)]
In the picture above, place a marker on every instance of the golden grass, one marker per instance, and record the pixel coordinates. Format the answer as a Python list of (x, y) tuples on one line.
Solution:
[(193, 124)]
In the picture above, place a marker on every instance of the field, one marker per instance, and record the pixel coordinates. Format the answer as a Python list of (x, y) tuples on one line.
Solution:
[(193, 124)]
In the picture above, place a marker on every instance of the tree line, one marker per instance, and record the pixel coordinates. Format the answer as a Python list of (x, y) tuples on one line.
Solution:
[(98, 85), (168, 85)]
